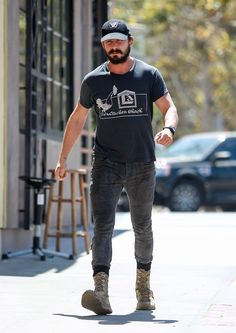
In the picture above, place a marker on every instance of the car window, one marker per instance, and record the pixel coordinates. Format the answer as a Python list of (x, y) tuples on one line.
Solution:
[(193, 147), (228, 145)]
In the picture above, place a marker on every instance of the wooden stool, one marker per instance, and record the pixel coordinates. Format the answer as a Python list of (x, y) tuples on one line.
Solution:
[(73, 200)]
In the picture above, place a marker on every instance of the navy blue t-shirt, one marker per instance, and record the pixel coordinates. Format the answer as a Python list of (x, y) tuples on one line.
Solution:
[(124, 105)]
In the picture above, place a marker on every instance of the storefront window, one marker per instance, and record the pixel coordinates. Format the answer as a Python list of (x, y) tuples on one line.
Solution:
[(22, 48), (51, 50), (59, 63)]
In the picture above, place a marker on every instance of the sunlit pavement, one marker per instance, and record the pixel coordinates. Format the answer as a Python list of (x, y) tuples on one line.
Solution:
[(193, 279)]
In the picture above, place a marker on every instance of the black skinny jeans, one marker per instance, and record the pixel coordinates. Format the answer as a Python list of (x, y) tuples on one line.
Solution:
[(108, 179)]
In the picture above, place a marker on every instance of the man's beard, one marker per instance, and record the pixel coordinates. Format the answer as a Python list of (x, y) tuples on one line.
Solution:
[(119, 60)]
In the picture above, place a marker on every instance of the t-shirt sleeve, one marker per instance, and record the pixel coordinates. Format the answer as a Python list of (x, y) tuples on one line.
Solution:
[(86, 98), (159, 88)]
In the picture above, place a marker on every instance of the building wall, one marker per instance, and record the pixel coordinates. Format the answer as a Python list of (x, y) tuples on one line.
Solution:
[(3, 114), (13, 236), (82, 60), (13, 114)]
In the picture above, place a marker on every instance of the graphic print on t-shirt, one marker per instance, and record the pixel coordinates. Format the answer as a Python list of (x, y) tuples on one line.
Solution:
[(123, 104)]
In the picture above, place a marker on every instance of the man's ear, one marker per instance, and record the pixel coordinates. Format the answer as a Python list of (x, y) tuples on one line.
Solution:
[(131, 40)]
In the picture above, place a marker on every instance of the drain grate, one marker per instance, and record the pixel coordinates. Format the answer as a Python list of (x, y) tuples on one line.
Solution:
[(221, 315)]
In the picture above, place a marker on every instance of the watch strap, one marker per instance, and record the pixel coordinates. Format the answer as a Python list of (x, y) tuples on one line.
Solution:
[(171, 128)]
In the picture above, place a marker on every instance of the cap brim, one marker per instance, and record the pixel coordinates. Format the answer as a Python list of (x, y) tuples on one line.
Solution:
[(114, 35)]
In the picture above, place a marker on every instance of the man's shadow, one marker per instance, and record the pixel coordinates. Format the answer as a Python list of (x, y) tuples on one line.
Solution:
[(136, 316)]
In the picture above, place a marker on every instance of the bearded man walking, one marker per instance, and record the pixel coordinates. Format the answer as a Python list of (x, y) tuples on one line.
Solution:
[(122, 91)]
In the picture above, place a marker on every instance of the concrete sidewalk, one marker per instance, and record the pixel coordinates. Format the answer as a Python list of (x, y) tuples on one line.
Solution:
[(193, 279)]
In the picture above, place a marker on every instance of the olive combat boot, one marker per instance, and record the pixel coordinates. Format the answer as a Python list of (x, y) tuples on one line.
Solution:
[(98, 300), (143, 293)]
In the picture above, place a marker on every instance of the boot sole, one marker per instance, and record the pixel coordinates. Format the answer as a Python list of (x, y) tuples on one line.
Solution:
[(145, 306), (90, 302)]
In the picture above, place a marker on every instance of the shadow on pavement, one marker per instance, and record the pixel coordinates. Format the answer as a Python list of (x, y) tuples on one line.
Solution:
[(142, 316), (31, 265)]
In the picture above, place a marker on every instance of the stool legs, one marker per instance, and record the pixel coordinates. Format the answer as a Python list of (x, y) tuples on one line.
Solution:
[(59, 216), (72, 200), (73, 214), (49, 212)]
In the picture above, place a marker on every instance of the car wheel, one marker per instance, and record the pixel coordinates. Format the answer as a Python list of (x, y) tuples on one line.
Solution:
[(186, 196), (123, 203)]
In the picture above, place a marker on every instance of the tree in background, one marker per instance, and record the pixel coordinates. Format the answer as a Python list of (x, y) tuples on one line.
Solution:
[(193, 44)]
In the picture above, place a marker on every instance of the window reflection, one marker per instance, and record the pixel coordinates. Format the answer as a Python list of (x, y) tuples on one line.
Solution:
[(52, 65), (22, 47)]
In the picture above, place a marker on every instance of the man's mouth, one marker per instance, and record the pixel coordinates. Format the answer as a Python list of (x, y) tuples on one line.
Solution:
[(115, 52)]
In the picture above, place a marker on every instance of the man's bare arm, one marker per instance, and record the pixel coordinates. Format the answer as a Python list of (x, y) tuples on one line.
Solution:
[(73, 130), (166, 105)]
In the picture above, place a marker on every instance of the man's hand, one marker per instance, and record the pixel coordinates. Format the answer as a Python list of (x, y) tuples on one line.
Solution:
[(61, 170), (164, 137)]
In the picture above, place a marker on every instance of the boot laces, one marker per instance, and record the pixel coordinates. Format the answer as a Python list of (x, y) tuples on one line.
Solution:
[(143, 278), (101, 281), (143, 284)]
